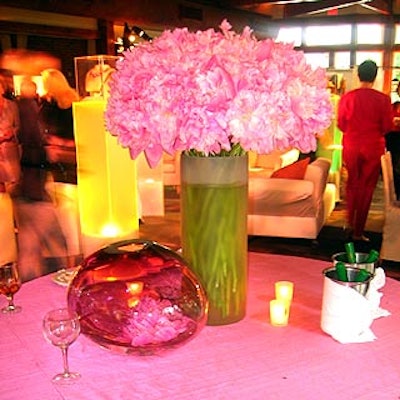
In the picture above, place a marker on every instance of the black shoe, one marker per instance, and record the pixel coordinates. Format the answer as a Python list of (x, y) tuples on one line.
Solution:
[(361, 238)]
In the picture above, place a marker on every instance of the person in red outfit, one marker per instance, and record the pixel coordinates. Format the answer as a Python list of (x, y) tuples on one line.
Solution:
[(364, 117)]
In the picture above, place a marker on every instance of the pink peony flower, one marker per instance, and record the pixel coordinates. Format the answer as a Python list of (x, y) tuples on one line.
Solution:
[(210, 92)]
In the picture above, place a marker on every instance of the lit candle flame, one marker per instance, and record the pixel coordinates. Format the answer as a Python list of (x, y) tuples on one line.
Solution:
[(135, 289)]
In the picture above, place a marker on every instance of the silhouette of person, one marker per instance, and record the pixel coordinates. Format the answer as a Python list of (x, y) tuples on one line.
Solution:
[(56, 121), (33, 159), (9, 127)]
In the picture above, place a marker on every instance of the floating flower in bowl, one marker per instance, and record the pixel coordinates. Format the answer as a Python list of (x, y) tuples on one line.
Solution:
[(138, 297)]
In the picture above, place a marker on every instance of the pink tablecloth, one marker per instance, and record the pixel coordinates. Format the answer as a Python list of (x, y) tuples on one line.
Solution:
[(247, 360)]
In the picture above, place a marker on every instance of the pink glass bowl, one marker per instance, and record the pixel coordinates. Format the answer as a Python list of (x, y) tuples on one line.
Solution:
[(137, 297)]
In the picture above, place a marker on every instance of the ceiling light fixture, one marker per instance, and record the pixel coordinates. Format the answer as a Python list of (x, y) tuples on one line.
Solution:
[(131, 38)]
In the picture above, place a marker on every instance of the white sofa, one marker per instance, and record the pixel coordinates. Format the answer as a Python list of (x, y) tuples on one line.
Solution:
[(292, 208), (390, 249)]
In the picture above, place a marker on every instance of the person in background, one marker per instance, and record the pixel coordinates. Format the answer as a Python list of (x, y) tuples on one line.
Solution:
[(9, 127), (393, 145), (33, 159), (42, 246), (364, 117), (395, 95), (6, 78), (56, 122)]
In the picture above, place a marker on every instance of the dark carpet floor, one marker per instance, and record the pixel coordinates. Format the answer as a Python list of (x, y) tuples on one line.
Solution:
[(331, 240)]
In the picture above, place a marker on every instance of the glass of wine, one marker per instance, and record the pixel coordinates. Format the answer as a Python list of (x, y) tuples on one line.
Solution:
[(61, 328), (9, 285)]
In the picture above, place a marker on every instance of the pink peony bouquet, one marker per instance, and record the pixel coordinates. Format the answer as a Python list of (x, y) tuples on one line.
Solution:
[(216, 93)]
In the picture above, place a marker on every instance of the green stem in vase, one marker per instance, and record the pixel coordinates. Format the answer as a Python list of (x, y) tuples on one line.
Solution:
[(214, 241)]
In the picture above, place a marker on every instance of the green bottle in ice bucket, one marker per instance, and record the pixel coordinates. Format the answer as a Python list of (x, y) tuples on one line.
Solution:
[(362, 275), (350, 252), (372, 257), (341, 271)]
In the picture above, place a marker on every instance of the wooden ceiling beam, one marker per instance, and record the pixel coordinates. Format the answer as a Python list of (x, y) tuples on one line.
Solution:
[(46, 30), (267, 2), (299, 7), (380, 6), (289, 3), (295, 9)]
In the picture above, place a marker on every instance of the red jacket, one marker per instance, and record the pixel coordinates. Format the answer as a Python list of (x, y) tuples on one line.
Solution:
[(365, 115)]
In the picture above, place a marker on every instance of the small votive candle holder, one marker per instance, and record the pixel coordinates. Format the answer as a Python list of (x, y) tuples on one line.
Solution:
[(284, 291), (279, 312)]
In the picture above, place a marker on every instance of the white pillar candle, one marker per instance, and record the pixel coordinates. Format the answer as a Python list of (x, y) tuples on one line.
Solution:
[(284, 291), (279, 312)]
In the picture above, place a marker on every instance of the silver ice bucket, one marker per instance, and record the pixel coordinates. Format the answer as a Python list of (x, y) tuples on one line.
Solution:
[(360, 261)]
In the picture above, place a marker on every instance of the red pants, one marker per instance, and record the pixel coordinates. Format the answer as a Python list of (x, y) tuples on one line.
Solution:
[(363, 163)]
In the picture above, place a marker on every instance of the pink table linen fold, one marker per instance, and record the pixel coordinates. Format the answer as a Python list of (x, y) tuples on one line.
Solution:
[(247, 360)]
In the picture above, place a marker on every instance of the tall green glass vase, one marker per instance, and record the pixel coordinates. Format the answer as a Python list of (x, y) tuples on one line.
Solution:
[(214, 231)]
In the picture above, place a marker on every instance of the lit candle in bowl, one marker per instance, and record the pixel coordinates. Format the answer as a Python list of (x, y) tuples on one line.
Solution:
[(278, 312), (284, 291)]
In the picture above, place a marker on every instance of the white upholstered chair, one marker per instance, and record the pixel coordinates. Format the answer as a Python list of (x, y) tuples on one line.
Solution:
[(292, 208), (390, 249)]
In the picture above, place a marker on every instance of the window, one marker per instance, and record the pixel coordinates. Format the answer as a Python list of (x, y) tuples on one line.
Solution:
[(345, 45), (369, 34), (290, 35), (376, 56), (396, 59), (317, 59), (327, 35), (341, 60), (397, 34)]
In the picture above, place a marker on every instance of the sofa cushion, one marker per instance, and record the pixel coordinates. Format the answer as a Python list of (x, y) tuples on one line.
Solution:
[(296, 170), (317, 172)]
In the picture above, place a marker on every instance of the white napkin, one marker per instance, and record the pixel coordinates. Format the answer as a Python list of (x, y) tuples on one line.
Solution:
[(347, 315), (374, 296)]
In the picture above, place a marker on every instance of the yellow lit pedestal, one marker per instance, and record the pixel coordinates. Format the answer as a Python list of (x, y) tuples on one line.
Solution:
[(107, 188), (8, 247)]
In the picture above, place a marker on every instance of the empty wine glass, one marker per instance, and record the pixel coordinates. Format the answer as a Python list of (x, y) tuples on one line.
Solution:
[(9, 285), (61, 328)]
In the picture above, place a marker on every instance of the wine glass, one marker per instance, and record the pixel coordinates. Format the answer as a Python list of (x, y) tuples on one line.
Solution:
[(61, 328), (9, 285)]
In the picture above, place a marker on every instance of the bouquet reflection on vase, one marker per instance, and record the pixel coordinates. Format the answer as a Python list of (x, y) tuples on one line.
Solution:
[(214, 96)]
